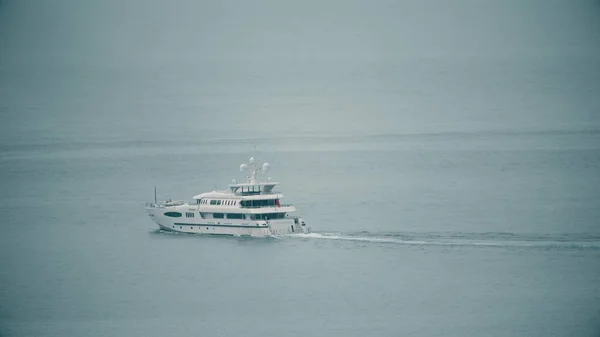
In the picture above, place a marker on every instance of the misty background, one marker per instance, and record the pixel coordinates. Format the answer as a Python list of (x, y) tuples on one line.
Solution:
[(253, 68)]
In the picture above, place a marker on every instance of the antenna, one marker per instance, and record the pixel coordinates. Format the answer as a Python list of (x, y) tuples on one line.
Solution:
[(155, 195)]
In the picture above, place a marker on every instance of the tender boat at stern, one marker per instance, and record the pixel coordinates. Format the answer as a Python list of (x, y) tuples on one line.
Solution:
[(252, 208)]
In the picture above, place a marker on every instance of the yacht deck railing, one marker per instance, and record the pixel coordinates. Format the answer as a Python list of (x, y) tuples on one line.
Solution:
[(268, 206), (163, 204)]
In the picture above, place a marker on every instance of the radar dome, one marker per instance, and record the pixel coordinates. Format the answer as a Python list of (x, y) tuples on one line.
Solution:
[(265, 167), (243, 167), (233, 181), (251, 160)]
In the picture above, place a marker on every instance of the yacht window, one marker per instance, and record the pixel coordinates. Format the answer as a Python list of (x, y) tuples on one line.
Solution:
[(189, 215), (267, 216), (173, 214), (213, 202), (218, 202), (259, 203), (218, 215), (235, 216)]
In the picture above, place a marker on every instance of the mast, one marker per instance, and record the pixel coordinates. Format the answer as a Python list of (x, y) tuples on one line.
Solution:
[(155, 195), (253, 166)]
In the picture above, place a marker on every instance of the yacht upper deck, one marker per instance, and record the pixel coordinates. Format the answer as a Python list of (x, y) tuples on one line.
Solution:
[(251, 189)]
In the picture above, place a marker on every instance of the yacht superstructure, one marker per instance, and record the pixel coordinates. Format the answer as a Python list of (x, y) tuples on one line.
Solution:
[(252, 208)]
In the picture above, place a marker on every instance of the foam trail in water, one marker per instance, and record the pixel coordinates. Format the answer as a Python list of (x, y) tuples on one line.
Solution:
[(464, 239), (346, 238)]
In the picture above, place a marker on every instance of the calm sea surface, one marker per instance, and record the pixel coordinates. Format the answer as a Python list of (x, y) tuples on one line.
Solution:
[(446, 155)]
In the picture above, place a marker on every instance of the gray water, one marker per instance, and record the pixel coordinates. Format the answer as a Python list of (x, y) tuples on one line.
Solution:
[(446, 155)]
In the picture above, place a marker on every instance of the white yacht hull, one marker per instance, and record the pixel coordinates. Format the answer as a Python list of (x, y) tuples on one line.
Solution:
[(226, 227)]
